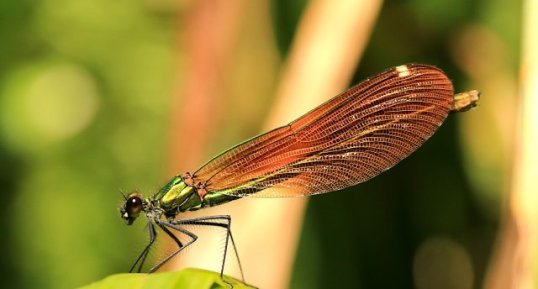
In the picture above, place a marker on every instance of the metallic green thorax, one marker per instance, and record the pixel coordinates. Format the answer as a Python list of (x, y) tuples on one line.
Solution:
[(176, 196)]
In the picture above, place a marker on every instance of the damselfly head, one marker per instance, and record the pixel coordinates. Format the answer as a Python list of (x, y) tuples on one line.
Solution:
[(132, 207)]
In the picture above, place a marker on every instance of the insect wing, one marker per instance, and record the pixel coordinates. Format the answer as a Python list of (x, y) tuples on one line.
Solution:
[(345, 141)]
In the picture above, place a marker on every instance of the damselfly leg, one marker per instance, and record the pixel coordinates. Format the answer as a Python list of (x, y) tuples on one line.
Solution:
[(142, 257), (220, 221)]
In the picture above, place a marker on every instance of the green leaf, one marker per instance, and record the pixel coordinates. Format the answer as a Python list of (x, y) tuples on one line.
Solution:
[(184, 279)]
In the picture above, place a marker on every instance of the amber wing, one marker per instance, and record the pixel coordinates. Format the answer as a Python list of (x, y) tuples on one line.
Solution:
[(345, 141)]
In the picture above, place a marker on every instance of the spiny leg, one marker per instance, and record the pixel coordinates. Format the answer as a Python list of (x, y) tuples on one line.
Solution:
[(211, 221), (142, 257), (236, 253), (163, 226), (176, 240)]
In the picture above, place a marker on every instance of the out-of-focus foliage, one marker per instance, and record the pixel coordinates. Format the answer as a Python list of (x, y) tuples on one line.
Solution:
[(84, 94), (83, 90)]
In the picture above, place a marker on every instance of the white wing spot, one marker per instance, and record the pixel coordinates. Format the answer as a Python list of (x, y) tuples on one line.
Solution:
[(403, 71)]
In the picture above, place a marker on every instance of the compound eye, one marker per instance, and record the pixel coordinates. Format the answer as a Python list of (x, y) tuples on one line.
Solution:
[(133, 205)]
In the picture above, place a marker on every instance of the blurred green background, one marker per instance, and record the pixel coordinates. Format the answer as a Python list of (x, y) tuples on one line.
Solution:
[(85, 90)]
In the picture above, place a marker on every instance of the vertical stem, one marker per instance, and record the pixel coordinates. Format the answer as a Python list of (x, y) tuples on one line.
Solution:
[(516, 265), (524, 203), (329, 41), (207, 33)]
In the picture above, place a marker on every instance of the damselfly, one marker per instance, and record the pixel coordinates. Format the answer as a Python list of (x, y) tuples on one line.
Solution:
[(345, 141)]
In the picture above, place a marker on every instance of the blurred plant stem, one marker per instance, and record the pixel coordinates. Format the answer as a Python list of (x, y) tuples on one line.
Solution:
[(329, 40), (516, 262), (207, 32)]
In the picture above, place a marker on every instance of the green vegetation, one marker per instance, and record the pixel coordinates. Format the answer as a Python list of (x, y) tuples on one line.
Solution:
[(184, 279)]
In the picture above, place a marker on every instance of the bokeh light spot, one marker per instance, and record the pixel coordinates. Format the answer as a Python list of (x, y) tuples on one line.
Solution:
[(62, 101), (46, 103), (441, 263)]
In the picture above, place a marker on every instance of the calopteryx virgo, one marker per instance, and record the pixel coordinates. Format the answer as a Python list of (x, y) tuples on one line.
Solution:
[(347, 140)]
